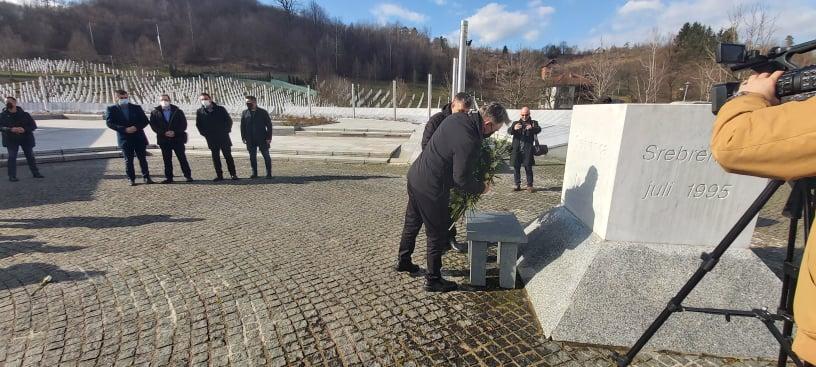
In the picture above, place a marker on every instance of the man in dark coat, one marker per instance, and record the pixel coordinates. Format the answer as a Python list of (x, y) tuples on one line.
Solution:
[(524, 133), (17, 128), (256, 132), (448, 161), (129, 122), (170, 126), (214, 124), (462, 102)]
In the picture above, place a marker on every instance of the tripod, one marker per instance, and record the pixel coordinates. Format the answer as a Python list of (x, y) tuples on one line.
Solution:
[(800, 204)]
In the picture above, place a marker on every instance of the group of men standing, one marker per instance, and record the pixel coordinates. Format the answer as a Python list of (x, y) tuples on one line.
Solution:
[(169, 123)]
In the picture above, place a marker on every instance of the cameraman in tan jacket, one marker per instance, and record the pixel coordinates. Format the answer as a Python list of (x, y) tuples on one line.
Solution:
[(755, 135)]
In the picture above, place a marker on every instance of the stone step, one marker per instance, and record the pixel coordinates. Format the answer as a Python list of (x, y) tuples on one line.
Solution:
[(354, 134), (308, 158), (306, 152), (55, 158)]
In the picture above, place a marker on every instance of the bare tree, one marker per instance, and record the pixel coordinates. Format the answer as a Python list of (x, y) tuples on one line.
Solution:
[(755, 25), (709, 72), (289, 6), (601, 71), (653, 64), (518, 80)]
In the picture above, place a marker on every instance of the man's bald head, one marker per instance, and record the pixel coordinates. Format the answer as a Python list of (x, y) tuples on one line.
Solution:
[(525, 113)]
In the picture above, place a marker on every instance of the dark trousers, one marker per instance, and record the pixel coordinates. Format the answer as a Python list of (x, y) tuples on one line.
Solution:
[(253, 158), (435, 215), (28, 151), (140, 152), (167, 150), (216, 157), (528, 169)]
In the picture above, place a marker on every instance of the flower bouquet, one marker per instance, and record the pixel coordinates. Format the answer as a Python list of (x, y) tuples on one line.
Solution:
[(493, 152)]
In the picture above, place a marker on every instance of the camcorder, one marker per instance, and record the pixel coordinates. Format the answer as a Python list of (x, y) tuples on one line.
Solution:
[(796, 84)]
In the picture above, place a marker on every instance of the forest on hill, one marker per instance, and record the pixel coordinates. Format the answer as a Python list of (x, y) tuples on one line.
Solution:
[(300, 41)]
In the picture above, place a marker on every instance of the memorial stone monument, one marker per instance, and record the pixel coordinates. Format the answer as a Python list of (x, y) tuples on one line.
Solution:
[(644, 173), (642, 198)]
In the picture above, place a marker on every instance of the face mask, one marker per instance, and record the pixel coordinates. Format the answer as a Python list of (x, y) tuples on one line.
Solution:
[(123, 101), (249, 105), (206, 103), (164, 104)]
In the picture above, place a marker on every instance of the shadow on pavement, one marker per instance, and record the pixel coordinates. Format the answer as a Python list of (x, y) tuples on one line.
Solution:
[(13, 245), (91, 222), (63, 183), (21, 275)]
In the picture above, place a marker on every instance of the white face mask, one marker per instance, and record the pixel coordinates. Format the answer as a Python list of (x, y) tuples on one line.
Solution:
[(206, 102), (124, 101), (164, 104)]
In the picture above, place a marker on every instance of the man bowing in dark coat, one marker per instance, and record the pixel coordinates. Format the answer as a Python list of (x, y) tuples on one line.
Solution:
[(448, 161), (256, 132), (170, 126), (129, 121)]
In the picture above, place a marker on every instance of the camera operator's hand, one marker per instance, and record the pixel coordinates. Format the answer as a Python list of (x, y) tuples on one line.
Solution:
[(763, 84)]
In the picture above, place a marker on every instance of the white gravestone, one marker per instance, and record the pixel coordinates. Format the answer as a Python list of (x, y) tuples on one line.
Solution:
[(645, 173)]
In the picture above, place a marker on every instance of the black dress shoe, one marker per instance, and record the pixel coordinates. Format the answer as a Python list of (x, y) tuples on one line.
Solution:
[(148, 181), (234, 178), (38, 175), (440, 285), (219, 178), (254, 176), (167, 181), (269, 177), (132, 182), (190, 179), (407, 267), (13, 179)]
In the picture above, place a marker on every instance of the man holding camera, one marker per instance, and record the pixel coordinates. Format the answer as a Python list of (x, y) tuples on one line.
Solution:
[(524, 133), (755, 135)]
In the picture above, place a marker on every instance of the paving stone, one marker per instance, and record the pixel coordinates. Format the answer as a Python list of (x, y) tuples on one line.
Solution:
[(290, 271)]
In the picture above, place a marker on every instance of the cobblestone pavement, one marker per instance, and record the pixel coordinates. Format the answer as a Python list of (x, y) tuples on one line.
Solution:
[(291, 271)]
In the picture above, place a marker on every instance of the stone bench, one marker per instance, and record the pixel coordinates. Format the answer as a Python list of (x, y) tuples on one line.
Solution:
[(485, 229)]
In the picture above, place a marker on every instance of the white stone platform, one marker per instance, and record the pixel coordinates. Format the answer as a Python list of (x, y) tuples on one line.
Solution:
[(587, 290)]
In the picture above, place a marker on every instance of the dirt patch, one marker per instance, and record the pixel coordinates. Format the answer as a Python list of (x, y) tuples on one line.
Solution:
[(298, 121)]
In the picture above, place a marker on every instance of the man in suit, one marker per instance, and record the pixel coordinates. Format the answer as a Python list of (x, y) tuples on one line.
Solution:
[(17, 128), (256, 132), (129, 122), (214, 124), (170, 126), (524, 133), (448, 161)]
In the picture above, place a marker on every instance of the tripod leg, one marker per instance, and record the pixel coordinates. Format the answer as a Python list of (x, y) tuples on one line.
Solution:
[(675, 305), (786, 299)]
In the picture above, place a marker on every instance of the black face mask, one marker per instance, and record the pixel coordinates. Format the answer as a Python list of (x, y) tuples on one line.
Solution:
[(250, 105), (9, 105)]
